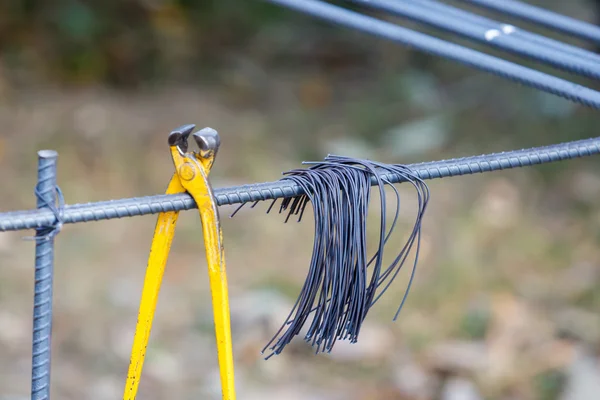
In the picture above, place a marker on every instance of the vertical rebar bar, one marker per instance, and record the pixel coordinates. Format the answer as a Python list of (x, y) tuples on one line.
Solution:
[(44, 265)]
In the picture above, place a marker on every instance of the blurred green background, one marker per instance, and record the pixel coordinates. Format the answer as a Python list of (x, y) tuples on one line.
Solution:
[(506, 301)]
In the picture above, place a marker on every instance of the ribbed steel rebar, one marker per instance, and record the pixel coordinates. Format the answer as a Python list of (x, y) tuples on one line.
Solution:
[(44, 266), (534, 38), (527, 12), (492, 33), (432, 45), (130, 207)]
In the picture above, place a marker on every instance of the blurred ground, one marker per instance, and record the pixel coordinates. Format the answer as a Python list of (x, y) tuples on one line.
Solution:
[(506, 302)]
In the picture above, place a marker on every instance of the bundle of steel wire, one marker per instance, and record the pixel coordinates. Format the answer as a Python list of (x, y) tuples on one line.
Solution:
[(343, 282)]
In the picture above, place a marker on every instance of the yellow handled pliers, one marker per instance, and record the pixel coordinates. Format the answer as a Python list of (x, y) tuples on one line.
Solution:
[(191, 176)]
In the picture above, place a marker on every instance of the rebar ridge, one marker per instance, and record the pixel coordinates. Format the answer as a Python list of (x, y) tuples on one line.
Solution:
[(44, 265), (130, 207)]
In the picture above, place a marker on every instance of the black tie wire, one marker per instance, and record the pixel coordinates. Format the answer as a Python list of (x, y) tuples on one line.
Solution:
[(432, 45), (496, 34), (343, 282), (552, 20)]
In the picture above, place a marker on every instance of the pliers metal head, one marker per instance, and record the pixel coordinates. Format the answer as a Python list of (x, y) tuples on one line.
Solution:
[(207, 139)]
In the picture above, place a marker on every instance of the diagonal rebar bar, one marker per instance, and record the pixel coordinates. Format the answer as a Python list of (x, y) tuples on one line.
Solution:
[(435, 46), (30, 219), (499, 35), (527, 12), (522, 34)]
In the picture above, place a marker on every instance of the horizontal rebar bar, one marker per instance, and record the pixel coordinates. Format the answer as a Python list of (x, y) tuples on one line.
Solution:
[(30, 219)]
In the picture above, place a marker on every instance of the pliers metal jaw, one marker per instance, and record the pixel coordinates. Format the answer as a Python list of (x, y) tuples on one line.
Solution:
[(207, 139), (191, 176)]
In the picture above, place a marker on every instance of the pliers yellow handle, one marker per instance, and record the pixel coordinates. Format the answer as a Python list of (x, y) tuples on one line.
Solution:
[(191, 176)]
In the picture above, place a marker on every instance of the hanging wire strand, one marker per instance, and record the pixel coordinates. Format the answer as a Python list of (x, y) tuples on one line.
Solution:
[(527, 12), (452, 51), (503, 36), (31, 219)]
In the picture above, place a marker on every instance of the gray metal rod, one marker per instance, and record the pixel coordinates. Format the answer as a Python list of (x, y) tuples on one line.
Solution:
[(441, 48), (492, 33), (76, 213), (540, 40), (547, 18), (44, 265)]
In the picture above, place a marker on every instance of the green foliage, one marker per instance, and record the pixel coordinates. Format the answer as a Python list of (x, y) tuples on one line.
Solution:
[(474, 324), (123, 42), (549, 385)]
